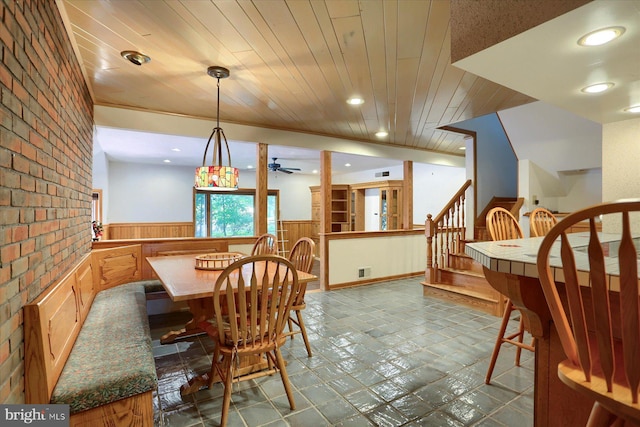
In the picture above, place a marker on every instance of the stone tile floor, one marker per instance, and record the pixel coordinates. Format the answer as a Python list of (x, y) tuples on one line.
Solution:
[(383, 355)]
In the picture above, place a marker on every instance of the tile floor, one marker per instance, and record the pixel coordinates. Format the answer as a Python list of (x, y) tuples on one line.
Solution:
[(383, 355)]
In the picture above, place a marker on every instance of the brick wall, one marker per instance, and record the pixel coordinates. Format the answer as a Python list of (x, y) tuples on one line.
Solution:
[(46, 122)]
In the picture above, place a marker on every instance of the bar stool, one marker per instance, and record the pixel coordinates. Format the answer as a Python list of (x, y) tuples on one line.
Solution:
[(502, 225)]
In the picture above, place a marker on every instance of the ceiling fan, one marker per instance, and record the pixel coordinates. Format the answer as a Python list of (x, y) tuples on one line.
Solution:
[(277, 167)]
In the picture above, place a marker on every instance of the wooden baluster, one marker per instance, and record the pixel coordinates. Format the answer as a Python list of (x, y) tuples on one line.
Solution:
[(454, 229), (443, 240)]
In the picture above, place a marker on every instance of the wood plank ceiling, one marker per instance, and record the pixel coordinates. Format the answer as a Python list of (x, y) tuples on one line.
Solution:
[(293, 65)]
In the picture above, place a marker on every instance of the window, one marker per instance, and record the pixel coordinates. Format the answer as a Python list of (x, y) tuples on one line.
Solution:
[(230, 214)]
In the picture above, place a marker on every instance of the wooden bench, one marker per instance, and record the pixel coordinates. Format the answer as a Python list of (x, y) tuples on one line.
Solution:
[(88, 345)]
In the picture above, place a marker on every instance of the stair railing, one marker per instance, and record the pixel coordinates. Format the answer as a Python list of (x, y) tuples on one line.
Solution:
[(445, 234)]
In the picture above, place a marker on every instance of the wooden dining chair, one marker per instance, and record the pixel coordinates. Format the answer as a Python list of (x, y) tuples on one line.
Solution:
[(265, 244), (541, 221), (597, 317), (302, 257), (502, 225), (252, 300)]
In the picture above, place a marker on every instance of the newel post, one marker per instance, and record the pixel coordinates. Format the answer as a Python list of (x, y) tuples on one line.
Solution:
[(429, 272)]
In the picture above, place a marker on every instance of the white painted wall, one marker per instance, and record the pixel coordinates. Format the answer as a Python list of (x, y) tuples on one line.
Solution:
[(384, 256), (163, 193), (151, 193), (554, 139), (433, 187), (560, 157), (100, 178), (620, 171)]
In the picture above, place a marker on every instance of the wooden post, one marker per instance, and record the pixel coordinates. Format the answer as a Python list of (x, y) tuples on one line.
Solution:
[(260, 216), (429, 272), (407, 197), (325, 217)]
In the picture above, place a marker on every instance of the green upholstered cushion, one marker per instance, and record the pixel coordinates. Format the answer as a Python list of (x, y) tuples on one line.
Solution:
[(112, 357), (151, 285)]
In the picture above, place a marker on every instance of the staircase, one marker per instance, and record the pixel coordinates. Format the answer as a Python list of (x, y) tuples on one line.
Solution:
[(463, 282), (451, 274)]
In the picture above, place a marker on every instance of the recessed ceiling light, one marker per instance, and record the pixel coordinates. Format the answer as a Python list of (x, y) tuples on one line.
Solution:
[(355, 101), (167, 161), (382, 134), (175, 149), (601, 36), (249, 166), (135, 57), (462, 148), (314, 171), (634, 109), (597, 88), (347, 164)]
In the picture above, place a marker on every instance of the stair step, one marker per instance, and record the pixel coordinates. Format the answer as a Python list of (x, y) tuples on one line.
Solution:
[(464, 272), (463, 291), (468, 288), (475, 300)]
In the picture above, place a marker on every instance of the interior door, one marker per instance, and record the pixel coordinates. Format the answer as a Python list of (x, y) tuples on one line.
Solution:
[(371, 209)]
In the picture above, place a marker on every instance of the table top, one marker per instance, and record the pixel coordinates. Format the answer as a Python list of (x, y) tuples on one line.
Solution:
[(518, 256), (183, 281)]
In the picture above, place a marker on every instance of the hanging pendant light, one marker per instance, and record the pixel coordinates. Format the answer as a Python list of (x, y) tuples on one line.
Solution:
[(217, 177)]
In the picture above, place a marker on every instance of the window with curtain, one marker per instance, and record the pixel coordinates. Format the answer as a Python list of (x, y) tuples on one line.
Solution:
[(230, 214)]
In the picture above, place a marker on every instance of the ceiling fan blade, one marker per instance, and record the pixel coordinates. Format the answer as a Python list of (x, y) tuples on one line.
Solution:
[(283, 170), (290, 169)]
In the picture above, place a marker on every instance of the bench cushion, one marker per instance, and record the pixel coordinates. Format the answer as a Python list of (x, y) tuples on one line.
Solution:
[(151, 285), (112, 358)]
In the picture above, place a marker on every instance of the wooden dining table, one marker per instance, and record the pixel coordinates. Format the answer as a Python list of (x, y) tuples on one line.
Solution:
[(510, 267), (184, 282)]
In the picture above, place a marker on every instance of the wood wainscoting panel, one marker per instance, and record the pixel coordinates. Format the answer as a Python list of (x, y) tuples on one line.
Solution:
[(116, 266), (289, 231), (150, 230)]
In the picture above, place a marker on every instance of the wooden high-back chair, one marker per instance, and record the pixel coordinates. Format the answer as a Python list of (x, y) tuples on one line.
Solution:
[(302, 257), (541, 221), (252, 300), (265, 245), (502, 225), (597, 317)]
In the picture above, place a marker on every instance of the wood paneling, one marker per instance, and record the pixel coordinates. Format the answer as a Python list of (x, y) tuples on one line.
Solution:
[(53, 322), (293, 64), (291, 232), (149, 230)]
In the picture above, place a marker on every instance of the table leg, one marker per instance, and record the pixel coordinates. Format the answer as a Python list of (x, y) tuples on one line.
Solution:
[(201, 309)]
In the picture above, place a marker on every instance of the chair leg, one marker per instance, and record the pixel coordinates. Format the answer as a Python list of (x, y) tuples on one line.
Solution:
[(214, 367), (285, 378), (228, 384), (496, 349), (290, 324), (600, 416), (520, 339), (303, 330)]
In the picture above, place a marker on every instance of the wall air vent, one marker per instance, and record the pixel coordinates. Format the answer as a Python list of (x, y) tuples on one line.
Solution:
[(379, 174)]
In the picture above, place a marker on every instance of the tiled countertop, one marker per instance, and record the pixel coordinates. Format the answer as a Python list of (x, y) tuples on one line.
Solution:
[(519, 256)]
